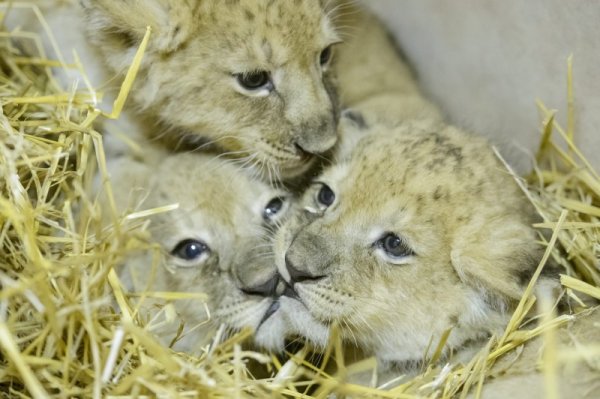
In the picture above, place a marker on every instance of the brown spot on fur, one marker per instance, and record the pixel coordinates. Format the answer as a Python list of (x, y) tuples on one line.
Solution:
[(453, 319), (437, 194), (463, 219), (249, 15)]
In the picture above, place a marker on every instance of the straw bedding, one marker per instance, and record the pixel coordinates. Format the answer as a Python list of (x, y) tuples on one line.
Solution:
[(67, 328)]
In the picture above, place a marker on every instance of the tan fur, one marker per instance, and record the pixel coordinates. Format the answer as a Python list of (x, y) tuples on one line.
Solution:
[(187, 81), (451, 201), (219, 206), (372, 75), (187, 76)]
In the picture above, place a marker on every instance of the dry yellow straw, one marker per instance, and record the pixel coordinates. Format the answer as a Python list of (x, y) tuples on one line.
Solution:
[(69, 329)]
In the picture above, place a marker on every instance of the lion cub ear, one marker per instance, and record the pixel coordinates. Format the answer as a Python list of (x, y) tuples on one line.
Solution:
[(497, 257), (121, 24)]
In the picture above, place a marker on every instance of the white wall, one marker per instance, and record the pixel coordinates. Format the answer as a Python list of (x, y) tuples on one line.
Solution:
[(486, 61)]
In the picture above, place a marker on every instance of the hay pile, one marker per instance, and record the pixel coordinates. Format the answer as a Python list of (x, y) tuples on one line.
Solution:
[(67, 329)]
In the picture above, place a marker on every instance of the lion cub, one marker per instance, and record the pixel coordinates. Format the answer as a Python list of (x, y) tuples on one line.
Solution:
[(259, 80), (419, 230), (250, 78), (256, 79), (215, 243)]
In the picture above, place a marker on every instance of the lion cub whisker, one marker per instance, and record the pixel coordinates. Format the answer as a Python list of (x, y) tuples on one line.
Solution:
[(415, 230), (214, 249)]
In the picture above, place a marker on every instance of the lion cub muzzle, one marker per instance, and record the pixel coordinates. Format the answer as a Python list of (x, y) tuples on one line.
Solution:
[(299, 276), (318, 136), (306, 258)]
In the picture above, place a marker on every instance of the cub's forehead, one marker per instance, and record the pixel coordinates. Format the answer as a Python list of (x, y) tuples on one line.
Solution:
[(292, 25), (284, 16), (201, 182), (393, 158), (417, 171)]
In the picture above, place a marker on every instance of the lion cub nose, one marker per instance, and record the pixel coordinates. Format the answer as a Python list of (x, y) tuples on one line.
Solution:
[(299, 276), (266, 289), (317, 137)]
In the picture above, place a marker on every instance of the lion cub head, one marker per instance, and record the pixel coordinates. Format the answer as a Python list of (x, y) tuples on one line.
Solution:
[(216, 243), (420, 230), (248, 77)]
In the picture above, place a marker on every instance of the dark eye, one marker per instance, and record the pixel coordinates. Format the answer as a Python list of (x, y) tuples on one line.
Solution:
[(273, 208), (325, 55), (254, 80), (190, 249), (394, 246), (325, 196)]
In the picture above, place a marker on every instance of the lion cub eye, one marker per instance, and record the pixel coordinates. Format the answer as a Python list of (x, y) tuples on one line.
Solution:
[(325, 196), (325, 56), (191, 250), (394, 247), (255, 80), (274, 208)]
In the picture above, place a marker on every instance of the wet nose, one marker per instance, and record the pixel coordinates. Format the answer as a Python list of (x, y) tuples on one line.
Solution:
[(316, 137), (266, 289), (297, 275)]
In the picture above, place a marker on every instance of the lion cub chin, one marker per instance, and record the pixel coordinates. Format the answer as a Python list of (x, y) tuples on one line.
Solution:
[(417, 230), (215, 243)]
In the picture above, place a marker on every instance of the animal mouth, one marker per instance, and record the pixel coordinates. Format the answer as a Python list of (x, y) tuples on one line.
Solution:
[(274, 307), (302, 153), (290, 292), (297, 155), (290, 163)]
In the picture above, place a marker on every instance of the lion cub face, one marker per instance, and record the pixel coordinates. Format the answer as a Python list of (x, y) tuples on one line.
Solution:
[(419, 231), (249, 77), (215, 243)]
